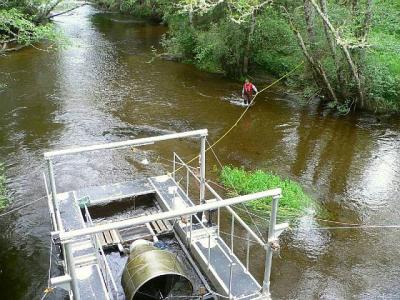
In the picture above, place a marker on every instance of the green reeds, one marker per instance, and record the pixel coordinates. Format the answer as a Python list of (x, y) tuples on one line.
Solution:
[(294, 201)]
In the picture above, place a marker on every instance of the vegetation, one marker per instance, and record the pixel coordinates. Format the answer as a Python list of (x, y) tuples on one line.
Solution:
[(350, 47), (3, 192), (25, 22), (294, 200)]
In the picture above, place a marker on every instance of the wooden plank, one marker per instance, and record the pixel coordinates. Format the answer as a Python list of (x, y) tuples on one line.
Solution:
[(102, 240), (155, 227), (119, 237), (168, 225), (139, 232), (114, 236), (161, 225), (153, 224), (108, 238)]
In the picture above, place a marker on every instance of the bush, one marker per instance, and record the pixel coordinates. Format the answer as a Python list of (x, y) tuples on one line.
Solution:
[(220, 49), (274, 48), (21, 29), (294, 201), (180, 40)]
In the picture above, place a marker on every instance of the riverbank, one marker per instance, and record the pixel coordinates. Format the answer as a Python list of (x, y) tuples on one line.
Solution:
[(274, 42), (28, 23)]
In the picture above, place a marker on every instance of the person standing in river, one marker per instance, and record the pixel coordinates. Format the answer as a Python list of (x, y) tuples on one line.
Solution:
[(247, 92)]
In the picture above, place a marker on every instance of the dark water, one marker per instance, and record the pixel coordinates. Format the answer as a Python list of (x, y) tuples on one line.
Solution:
[(101, 88)]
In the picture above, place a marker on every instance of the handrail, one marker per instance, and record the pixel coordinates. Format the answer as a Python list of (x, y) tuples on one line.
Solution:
[(239, 219), (124, 144), (243, 223), (234, 213), (209, 235), (98, 245), (50, 204), (65, 237)]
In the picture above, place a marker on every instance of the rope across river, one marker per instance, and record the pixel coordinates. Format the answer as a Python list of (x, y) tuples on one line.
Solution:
[(245, 111)]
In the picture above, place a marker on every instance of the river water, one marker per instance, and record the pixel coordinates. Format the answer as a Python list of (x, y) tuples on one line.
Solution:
[(104, 87)]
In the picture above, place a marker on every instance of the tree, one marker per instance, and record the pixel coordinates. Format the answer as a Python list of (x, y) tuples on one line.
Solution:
[(238, 11), (25, 22)]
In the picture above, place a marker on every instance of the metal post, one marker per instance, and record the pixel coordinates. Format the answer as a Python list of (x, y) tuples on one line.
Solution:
[(209, 250), (187, 231), (232, 231), (187, 181), (52, 185), (71, 269), (230, 280), (271, 237), (202, 169), (174, 167), (248, 255), (218, 220), (202, 163), (191, 228), (50, 203)]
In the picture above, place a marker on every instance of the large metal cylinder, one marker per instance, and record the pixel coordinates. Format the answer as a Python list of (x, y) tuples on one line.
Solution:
[(152, 273)]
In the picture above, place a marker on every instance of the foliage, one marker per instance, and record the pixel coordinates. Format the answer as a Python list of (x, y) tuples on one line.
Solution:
[(274, 49), (20, 28), (293, 202), (224, 35), (3, 191), (26, 22)]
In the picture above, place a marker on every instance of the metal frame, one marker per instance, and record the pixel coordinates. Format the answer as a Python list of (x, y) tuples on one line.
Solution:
[(53, 206), (129, 143), (273, 232), (68, 238)]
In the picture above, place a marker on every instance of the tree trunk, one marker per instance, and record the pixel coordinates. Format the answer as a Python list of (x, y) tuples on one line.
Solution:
[(248, 45), (332, 46), (309, 17), (318, 71), (367, 21), (345, 50)]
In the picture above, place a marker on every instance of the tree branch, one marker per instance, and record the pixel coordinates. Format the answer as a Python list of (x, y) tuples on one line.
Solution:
[(343, 45), (67, 11)]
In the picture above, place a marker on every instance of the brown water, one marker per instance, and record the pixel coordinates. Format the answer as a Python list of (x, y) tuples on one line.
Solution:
[(102, 89)]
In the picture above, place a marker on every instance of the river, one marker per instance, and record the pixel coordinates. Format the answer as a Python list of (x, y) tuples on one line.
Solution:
[(105, 87)]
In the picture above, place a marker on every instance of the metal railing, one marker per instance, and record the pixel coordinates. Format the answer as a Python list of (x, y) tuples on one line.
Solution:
[(235, 219), (102, 260)]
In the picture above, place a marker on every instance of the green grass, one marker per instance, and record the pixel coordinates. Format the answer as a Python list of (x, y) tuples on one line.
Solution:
[(3, 192), (294, 201)]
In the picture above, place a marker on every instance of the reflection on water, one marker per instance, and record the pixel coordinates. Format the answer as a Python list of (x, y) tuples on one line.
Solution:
[(103, 88)]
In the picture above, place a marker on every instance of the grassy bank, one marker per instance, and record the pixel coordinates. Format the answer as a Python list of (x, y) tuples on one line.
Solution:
[(293, 203), (3, 192)]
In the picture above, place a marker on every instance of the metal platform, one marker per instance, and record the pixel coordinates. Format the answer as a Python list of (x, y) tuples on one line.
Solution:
[(90, 282), (87, 271), (222, 267), (100, 195), (87, 274)]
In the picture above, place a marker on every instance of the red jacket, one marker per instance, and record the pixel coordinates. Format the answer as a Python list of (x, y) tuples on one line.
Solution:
[(248, 88)]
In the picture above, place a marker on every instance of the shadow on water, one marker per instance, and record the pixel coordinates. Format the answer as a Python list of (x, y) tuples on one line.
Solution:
[(102, 88)]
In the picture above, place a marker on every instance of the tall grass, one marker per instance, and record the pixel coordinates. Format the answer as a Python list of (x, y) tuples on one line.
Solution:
[(3, 192), (293, 203)]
